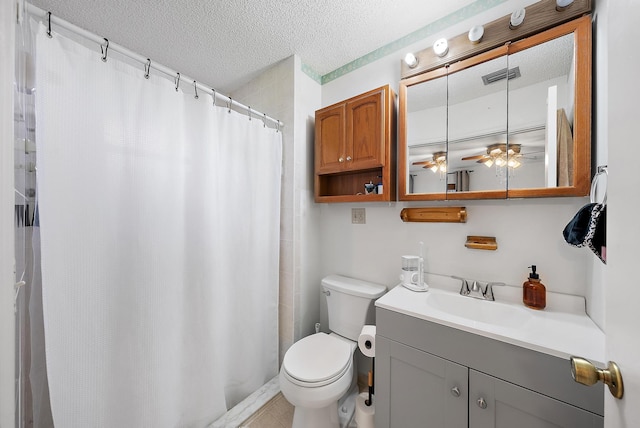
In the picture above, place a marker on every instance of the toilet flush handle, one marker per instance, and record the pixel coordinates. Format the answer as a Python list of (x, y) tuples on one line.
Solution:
[(326, 292)]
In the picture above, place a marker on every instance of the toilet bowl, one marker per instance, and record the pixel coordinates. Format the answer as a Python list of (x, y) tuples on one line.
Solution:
[(319, 371), (315, 374)]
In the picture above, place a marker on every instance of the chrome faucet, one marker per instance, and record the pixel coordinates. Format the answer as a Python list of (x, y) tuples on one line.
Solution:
[(476, 289)]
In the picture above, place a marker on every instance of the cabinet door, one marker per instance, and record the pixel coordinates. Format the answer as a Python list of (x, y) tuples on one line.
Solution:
[(416, 389), (330, 140), (496, 403), (365, 132)]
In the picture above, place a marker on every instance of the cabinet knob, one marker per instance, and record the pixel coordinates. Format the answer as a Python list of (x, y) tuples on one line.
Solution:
[(481, 403), (340, 159), (348, 158), (455, 391)]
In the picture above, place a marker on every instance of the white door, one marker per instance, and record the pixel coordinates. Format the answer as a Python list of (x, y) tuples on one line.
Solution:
[(622, 285)]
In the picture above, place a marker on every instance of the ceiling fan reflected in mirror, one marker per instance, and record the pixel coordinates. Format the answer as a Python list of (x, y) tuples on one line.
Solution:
[(500, 156), (437, 163)]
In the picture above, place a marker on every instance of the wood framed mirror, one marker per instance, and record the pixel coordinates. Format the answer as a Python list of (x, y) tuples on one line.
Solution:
[(512, 122)]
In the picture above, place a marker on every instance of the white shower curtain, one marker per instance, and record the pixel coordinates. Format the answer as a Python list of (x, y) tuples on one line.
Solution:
[(159, 219)]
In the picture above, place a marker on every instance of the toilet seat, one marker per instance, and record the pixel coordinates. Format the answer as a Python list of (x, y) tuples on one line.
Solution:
[(317, 360)]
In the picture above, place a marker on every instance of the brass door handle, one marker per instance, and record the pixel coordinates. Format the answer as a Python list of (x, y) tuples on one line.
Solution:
[(584, 372)]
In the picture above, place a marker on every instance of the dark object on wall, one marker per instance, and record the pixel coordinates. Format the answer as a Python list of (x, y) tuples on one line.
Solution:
[(588, 228)]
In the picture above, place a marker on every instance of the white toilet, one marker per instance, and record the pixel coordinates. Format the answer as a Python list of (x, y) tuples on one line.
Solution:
[(319, 370)]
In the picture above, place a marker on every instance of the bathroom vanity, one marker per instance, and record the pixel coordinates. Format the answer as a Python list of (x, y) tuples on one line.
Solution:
[(445, 360)]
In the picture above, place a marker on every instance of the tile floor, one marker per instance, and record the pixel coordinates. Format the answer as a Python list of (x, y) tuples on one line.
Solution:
[(276, 413)]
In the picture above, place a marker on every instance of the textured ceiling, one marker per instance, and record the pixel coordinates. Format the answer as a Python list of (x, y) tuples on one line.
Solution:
[(227, 43)]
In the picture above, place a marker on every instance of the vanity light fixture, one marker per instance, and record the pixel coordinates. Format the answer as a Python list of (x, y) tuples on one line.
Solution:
[(475, 34), (411, 60), (441, 47), (563, 4), (517, 18)]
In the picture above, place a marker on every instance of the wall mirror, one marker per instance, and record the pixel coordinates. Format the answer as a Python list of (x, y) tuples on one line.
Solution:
[(427, 136), (511, 122)]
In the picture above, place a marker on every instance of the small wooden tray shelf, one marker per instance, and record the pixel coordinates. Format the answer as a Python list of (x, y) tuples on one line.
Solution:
[(481, 243), (435, 215)]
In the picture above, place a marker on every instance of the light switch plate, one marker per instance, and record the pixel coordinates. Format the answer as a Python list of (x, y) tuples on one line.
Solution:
[(358, 216)]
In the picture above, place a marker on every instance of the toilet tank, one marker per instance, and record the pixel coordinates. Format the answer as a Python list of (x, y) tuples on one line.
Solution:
[(350, 304)]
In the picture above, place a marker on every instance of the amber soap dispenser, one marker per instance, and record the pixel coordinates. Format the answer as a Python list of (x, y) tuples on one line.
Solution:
[(534, 295)]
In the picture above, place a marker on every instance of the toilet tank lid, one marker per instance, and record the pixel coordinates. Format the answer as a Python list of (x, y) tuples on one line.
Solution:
[(355, 287)]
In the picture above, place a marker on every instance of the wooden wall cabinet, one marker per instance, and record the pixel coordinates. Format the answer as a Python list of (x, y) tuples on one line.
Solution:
[(355, 144)]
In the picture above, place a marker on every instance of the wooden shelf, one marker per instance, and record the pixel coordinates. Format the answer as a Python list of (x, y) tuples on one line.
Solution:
[(435, 215), (481, 243)]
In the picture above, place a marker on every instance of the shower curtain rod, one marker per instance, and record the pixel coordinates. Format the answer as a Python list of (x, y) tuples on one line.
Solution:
[(49, 19)]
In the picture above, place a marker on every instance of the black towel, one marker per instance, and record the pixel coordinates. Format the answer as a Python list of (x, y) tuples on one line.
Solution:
[(588, 228)]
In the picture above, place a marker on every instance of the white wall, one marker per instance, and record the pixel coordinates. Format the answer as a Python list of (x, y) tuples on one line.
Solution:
[(528, 231), (307, 250), (7, 280), (617, 124)]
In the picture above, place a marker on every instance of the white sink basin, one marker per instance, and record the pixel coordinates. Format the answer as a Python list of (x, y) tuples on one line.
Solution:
[(485, 311), (562, 329)]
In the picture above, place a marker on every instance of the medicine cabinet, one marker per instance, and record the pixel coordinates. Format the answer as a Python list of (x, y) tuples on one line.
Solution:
[(512, 122)]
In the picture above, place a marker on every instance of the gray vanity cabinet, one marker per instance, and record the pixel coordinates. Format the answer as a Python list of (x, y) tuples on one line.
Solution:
[(434, 376), (496, 403), (418, 389)]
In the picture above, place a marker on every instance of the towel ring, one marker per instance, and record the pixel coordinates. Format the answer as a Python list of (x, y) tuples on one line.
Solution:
[(602, 170)]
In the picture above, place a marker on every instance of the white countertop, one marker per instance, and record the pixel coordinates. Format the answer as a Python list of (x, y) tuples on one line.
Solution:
[(562, 329)]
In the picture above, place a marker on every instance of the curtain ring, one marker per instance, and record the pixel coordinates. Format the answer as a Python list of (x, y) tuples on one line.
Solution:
[(277, 125), (147, 68), (104, 50), (177, 80), (213, 94), (195, 87), (264, 121), (249, 108), (229, 104), (49, 25)]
